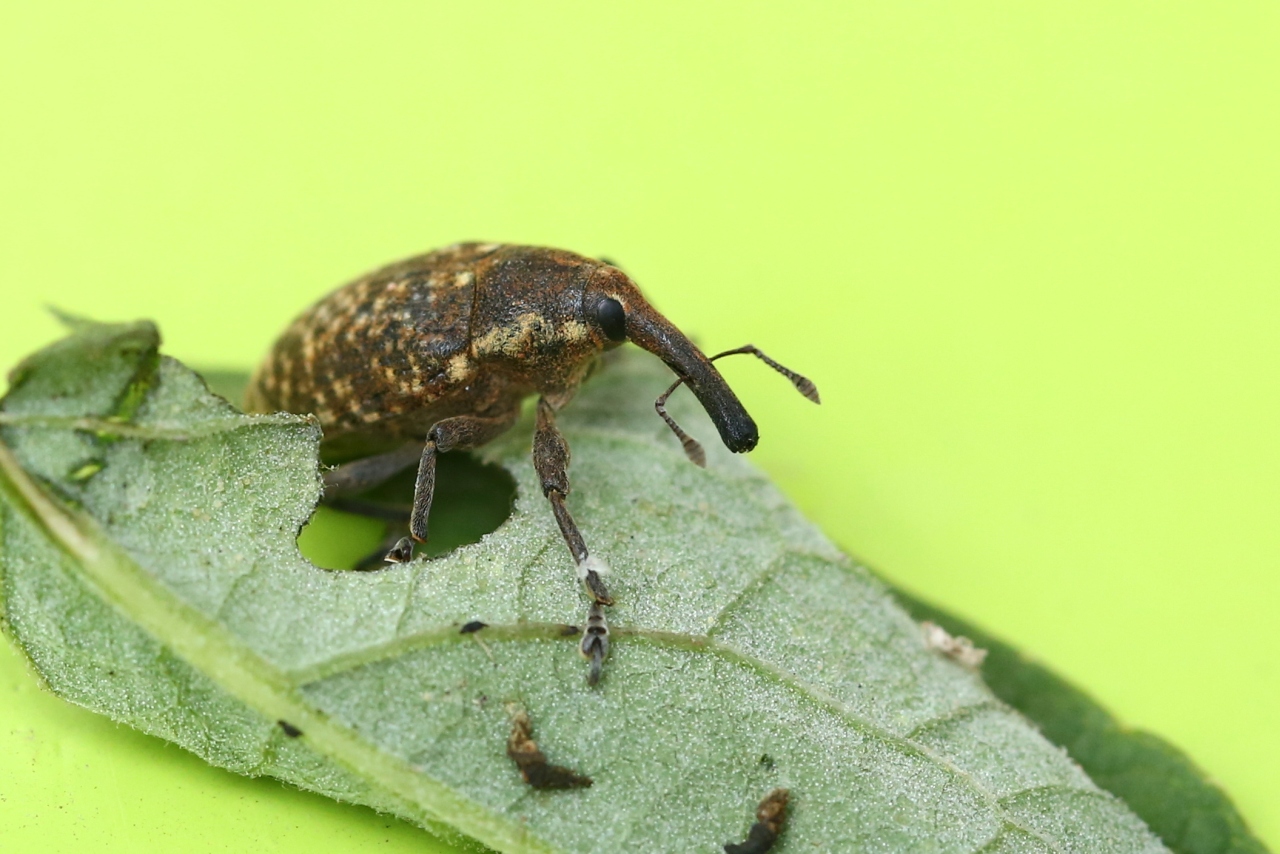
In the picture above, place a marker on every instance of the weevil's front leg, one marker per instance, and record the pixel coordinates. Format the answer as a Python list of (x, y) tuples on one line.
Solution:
[(551, 460), (459, 433)]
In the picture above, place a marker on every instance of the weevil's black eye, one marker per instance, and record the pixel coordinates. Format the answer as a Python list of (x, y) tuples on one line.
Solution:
[(612, 319)]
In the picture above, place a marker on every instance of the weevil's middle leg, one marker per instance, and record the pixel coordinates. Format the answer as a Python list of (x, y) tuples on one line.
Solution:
[(459, 433), (551, 460)]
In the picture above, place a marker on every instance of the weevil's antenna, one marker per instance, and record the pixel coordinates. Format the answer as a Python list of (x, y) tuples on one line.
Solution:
[(692, 448)]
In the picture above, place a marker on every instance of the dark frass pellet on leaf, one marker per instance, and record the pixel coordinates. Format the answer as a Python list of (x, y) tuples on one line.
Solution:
[(533, 765), (771, 814), (436, 353)]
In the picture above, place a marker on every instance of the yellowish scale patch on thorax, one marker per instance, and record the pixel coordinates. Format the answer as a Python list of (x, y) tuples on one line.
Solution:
[(509, 339)]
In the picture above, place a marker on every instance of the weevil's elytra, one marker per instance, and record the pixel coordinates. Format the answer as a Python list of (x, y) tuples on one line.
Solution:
[(436, 353)]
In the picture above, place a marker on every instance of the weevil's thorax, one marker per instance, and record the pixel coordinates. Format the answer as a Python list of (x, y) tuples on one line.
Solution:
[(527, 323)]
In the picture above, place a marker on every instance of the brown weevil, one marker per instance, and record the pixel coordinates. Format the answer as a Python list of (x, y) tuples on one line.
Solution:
[(436, 353)]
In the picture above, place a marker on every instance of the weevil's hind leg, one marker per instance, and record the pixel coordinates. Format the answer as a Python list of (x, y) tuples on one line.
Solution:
[(459, 433), (551, 460), (364, 474)]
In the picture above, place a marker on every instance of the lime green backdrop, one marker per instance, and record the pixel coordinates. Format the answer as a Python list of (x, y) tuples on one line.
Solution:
[(1028, 251)]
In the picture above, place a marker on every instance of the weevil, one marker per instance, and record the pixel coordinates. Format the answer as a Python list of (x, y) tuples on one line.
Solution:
[(437, 352)]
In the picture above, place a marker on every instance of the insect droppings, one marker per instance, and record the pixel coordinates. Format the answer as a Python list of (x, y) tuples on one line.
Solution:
[(436, 353), (771, 814), (533, 765)]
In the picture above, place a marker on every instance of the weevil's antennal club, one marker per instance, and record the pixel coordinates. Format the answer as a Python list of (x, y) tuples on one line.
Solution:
[(692, 448)]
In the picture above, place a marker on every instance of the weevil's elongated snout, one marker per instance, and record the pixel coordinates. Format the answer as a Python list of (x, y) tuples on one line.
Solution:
[(655, 333)]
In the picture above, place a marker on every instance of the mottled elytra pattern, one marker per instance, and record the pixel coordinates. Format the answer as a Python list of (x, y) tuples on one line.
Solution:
[(435, 354)]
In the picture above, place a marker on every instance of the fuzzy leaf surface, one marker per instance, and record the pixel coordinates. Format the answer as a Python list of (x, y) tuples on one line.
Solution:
[(150, 571)]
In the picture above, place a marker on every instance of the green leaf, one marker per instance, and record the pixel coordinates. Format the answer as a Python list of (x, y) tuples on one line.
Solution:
[(151, 573), (1159, 782)]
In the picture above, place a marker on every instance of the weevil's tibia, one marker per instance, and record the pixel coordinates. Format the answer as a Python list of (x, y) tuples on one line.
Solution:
[(595, 642), (461, 433), (771, 814), (424, 490), (692, 448)]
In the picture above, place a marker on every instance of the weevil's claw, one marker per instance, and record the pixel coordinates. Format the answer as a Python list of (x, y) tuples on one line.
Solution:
[(595, 642), (401, 552)]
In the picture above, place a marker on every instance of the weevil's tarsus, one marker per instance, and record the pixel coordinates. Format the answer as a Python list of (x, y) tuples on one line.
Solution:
[(595, 642), (533, 765), (771, 814), (401, 552), (692, 448)]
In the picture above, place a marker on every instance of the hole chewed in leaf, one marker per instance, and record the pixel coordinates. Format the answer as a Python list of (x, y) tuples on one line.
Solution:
[(472, 499)]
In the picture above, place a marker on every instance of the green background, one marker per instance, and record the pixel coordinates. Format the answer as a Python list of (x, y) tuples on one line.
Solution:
[(1028, 252)]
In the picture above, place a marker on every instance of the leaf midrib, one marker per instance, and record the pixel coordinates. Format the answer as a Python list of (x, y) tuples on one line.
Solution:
[(243, 674)]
